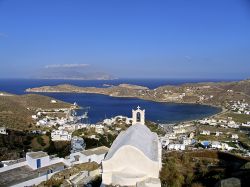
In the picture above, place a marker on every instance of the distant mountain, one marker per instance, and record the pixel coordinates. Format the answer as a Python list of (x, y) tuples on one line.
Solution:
[(72, 71)]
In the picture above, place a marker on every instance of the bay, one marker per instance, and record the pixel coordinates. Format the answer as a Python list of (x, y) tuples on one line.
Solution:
[(101, 106)]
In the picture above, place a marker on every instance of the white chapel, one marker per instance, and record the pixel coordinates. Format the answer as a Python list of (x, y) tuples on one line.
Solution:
[(134, 158)]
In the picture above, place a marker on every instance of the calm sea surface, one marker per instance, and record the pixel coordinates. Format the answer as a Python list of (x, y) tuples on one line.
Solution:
[(101, 106)]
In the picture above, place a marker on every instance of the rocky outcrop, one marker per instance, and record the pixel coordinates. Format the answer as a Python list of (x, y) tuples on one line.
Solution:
[(230, 182)]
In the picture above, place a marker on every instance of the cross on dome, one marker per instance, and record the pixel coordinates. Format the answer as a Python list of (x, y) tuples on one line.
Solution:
[(138, 107)]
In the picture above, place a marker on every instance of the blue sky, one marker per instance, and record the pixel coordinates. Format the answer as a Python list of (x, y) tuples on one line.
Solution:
[(127, 38)]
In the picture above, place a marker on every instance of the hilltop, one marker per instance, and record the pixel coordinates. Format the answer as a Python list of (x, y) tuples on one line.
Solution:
[(211, 93)]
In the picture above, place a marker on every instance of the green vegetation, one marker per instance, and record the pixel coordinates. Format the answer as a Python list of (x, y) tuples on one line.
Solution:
[(85, 132), (155, 128), (96, 182), (40, 140), (200, 168), (181, 169), (79, 132), (231, 144), (240, 118), (99, 140), (16, 143), (60, 148), (103, 140)]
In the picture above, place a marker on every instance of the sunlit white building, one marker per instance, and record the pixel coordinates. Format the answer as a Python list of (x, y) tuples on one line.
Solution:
[(3, 130), (91, 155), (60, 135), (134, 156)]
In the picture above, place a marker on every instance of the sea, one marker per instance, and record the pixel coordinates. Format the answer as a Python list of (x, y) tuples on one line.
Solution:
[(100, 107)]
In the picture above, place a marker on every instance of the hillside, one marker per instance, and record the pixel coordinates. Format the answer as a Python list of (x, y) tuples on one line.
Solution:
[(16, 110), (217, 94), (202, 168)]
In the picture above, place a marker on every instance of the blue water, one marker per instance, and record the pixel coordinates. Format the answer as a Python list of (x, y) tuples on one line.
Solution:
[(101, 106)]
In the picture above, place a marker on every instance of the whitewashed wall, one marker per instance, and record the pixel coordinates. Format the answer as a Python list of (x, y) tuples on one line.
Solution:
[(32, 161)]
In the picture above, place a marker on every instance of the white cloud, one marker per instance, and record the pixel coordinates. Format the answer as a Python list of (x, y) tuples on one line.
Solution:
[(66, 65)]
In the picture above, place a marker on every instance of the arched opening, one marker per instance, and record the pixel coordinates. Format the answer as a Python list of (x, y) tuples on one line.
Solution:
[(138, 117)]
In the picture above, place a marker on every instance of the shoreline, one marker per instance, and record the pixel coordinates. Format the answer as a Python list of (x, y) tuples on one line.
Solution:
[(211, 94), (185, 121)]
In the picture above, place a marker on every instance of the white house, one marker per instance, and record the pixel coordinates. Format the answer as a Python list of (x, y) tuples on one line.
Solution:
[(216, 145), (53, 101), (112, 120), (37, 159), (225, 146), (61, 121), (3, 130), (247, 112), (164, 141), (36, 168), (235, 136), (179, 131), (90, 155), (246, 124), (205, 132), (211, 122), (222, 121), (218, 133), (34, 117), (60, 135), (99, 129), (232, 124), (107, 121), (68, 127), (204, 121), (186, 141), (41, 122), (219, 145), (171, 136), (176, 147), (134, 156)]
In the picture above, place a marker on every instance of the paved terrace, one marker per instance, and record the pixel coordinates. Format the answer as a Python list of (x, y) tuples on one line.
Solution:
[(25, 173)]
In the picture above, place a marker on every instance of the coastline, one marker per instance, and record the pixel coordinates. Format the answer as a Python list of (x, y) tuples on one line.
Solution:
[(212, 94), (155, 101)]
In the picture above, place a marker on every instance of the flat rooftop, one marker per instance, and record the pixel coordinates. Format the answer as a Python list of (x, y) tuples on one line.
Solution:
[(38, 154), (24, 173), (97, 151)]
